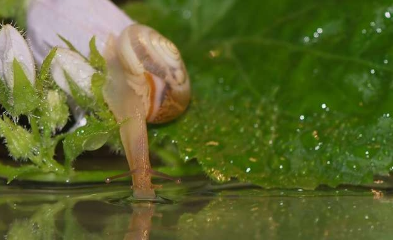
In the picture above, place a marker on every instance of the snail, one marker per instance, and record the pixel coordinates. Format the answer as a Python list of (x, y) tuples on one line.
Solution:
[(148, 83), (147, 79)]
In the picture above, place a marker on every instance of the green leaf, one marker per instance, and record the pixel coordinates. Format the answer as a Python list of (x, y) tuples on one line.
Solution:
[(8, 8), (16, 10), (283, 94), (25, 98), (173, 165), (96, 60), (90, 137), (20, 142)]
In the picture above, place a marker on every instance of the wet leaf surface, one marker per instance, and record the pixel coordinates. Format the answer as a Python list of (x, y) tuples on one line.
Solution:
[(284, 94)]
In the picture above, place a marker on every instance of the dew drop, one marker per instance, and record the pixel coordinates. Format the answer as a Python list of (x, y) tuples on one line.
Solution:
[(214, 54), (252, 159), (186, 14)]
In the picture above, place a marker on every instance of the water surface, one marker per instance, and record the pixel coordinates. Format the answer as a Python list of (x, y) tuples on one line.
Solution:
[(193, 210)]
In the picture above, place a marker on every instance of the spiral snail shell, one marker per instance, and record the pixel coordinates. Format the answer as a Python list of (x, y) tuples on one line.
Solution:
[(156, 72)]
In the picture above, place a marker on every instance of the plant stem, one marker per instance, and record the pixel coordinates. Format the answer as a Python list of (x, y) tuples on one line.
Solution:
[(75, 177), (34, 126)]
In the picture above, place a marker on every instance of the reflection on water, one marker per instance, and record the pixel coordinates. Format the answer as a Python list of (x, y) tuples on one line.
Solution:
[(195, 211), (140, 223)]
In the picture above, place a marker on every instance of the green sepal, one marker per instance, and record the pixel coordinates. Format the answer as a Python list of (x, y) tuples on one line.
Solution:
[(101, 109), (78, 94), (54, 111), (96, 60), (90, 137), (5, 96), (20, 142), (97, 83), (43, 79), (25, 98), (70, 46)]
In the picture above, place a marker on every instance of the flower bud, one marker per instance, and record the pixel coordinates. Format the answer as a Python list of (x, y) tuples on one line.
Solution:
[(14, 47), (67, 66), (75, 20), (55, 110)]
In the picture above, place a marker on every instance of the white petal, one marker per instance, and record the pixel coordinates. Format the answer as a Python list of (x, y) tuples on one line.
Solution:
[(76, 20), (13, 46), (75, 66)]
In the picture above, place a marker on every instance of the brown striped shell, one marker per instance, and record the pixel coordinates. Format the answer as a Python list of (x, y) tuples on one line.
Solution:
[(155, 70)]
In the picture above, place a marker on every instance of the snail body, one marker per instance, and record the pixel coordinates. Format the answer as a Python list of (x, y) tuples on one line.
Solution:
[(147, 83)]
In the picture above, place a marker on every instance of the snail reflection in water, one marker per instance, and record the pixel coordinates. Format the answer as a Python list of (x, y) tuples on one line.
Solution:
[(147, 80)]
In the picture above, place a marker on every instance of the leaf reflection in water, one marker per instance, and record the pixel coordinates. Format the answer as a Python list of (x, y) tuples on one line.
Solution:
[(61, 216)]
